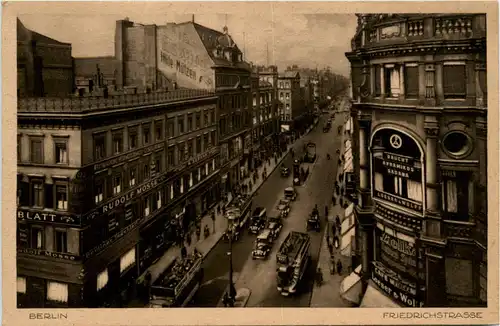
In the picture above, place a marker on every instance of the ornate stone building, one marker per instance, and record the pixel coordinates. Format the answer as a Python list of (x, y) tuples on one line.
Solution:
[(420, 108)]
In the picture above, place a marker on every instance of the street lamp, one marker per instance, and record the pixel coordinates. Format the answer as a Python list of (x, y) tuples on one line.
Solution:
[(232, 290)]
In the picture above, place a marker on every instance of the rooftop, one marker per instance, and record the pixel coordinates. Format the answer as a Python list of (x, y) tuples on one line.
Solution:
[(97, 103), (289, 74)]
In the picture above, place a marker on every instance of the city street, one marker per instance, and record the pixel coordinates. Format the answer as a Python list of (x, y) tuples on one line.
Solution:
[(259, 276)]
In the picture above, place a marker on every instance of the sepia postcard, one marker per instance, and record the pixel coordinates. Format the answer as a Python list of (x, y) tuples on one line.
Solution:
[(250, 163)]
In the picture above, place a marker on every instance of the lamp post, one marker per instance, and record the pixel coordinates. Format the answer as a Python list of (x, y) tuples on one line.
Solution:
[(232, 290)]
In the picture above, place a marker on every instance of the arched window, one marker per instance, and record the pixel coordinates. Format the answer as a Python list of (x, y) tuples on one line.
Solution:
[(397, 169)]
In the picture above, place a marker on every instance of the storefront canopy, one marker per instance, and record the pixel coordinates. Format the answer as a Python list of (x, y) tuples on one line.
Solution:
[(374, 298), (352, 287)]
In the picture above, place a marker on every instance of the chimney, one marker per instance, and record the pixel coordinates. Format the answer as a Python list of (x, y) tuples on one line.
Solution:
[(192, 18)]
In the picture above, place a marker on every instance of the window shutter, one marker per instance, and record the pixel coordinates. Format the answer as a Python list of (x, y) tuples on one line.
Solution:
[(49, 196), (454, 82)]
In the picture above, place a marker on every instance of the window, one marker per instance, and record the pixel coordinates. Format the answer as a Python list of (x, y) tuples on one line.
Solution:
[(456, 194), (57, 291), (377, 87), (147, 205), (62, 197), (198, 145), (118, 142), (61, 240), (146, 134), (145, 171), (131, 176), (454, 80), (158, 130), (213, 137), (287, 95), (117, 184), (457, 144), (36, 239), (127, 260), (411, 80), (171, 156), (37, 193), (205, 118), (190, 122), (98, 192), (287, 106), (392, 81), (36, 150), (61, 152), (281, 95), (102, 279), (21, 284), (171, 128), (19, 152), (190, 148), (212, 116), (99, 147), (180, 125), (132, 138), (206, 141), (158, 199), (198, 120), (181, 150)]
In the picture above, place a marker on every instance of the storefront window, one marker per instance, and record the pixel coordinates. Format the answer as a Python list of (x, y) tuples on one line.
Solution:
[(127, 260), (455, 189), (57, 291), (397, 169), (21, 284), (102, 279)]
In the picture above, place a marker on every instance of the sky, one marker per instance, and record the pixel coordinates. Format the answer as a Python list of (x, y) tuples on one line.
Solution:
[(308, 40)]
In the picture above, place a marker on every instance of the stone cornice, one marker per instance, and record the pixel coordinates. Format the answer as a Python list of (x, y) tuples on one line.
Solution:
[(420, 47)]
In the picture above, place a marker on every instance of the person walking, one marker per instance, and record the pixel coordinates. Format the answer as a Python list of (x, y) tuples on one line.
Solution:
[(337, 221), (339, 266)]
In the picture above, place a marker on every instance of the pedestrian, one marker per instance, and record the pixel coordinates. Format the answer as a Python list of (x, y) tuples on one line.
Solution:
[(326, 212), (336, 242), (319, 277), (147, 287), (334, 200), (329, 244), (339, 266), (332, 265), (198, 232), (337, 221), (334, 229)]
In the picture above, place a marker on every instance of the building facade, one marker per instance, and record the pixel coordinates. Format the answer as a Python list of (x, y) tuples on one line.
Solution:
[(289, 95), (419, 111), (103, 190), (44, 65)]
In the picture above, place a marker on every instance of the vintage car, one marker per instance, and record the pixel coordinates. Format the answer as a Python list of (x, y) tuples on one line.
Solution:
[(258, 220), (285, 172), (233, 231), (290, 193), (275, 225), (284, 207), (263, 244), (313, 222)]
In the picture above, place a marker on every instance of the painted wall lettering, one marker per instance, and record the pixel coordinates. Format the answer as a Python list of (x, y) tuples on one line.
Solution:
[(38, 252), (52, 217)]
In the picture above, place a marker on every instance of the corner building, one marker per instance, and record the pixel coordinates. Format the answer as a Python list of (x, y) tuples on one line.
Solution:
[(105, 186), (420, 106)]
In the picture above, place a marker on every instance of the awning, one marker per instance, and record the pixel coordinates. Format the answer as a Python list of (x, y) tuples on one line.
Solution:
[(347, 145), (347, 241), (351, 287), (349, 210), (374, 298), (348, 166)]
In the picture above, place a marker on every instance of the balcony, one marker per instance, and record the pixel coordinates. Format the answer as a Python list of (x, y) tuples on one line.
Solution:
[(459, 230), (89, 104)]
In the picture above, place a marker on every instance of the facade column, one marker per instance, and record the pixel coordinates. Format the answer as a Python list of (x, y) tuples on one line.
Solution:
[(431, 238)]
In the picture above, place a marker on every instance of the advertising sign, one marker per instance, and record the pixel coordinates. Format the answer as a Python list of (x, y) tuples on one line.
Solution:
[(51, 217), (182, 57), (401, 290)]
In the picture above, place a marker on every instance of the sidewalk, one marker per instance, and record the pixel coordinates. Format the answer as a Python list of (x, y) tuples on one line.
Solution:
[(328, 294), (217, 229)]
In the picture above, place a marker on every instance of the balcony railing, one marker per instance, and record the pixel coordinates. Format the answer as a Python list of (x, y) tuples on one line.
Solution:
[(457, 229), (83, 104)]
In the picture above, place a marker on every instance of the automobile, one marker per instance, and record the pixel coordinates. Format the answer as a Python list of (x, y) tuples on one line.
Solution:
[(275, 225), (290, 193), (258, 220), (234, 231), (313, 222), (285, 172), (283, 207), (263, 244)]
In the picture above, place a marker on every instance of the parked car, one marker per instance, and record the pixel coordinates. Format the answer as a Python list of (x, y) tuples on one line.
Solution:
[(275, 225), (283, 207), (290, 193), (313, 222), (263, 244)]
